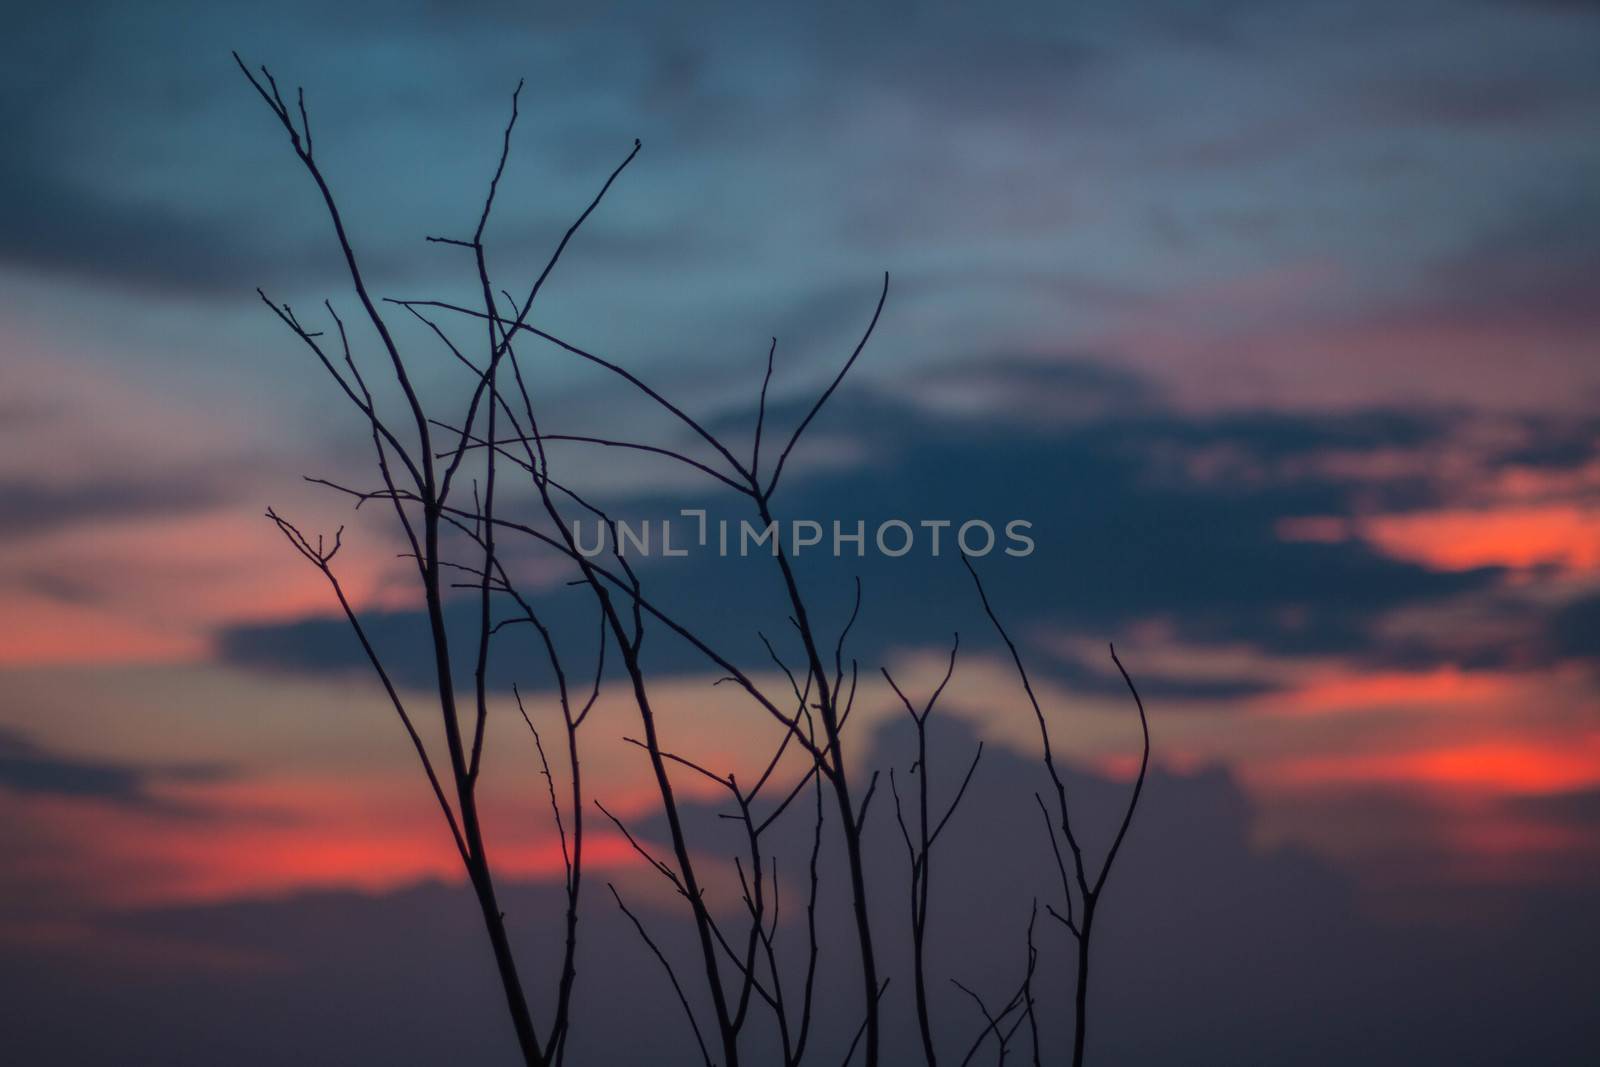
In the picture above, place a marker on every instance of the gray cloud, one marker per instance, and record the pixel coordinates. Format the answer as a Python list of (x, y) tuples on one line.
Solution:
[(34, 507), (30, 769), (1126, 533), (1571, 630)]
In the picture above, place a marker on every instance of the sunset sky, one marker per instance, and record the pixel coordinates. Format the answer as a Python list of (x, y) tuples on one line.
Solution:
[(1278, 321)]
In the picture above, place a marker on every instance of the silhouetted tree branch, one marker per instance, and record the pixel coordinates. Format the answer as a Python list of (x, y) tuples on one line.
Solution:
[(919, 852), (464, 549), (1089, 887)]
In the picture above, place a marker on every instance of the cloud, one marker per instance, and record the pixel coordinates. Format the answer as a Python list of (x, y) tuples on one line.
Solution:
[(1260, 207), (52, 226), (28, 769), (1208, 941), (1534, 256), (33, 507), (1570, 630), (1140, 514)]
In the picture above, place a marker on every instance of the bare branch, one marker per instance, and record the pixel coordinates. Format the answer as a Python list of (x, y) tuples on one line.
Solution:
[(1138, 784), (320, 560), (672, 975), (777, 471)]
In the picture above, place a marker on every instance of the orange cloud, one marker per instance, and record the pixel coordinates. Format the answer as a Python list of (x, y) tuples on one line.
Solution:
[(1509, 767), (1563, 535), (1448, 686), (37, 631), (263, 837), (155, 587)]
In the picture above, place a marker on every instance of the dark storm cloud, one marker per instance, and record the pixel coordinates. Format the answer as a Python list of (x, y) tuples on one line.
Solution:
[(50, 224), (32, 507), (1573, 631), (1125, 533), (1512, 633), (26, 768), (30, 769), (1556, 444)]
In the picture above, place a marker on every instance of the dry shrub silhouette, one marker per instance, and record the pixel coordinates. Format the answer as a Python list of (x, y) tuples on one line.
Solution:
[(458, 547)]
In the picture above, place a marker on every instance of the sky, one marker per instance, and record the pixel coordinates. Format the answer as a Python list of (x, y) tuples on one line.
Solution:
[(1277, 322)]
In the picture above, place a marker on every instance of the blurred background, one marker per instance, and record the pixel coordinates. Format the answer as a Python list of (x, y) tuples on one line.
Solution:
[(1278, 322)]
